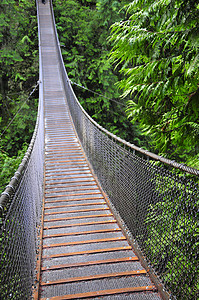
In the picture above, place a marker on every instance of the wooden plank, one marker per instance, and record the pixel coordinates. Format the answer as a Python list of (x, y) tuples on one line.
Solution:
[(75, 211), (72, 200), (66, 182), (80, 224), (70, 179), (78, 185), (90, 263), (56, 157), (66, 172), (55, 163), (69, 173), (74, 205), (78, 188), (76, 194), (117, 239), (66, 165), (81, 233), (95, 277), (151, 288), (68, 169), (65, 146), (80, 217), (63, 159), (95, 251), (62, 153)]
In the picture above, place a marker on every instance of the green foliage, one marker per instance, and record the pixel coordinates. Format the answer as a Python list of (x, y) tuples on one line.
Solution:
[(8, 166), (18, 43), (156, 50), (18, 75), (22, 126)]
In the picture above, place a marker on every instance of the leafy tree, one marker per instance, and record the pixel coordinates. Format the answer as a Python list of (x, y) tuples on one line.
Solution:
[(156, 49)]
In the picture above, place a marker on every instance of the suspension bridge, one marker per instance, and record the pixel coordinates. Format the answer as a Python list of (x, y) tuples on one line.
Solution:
[(88, 215)]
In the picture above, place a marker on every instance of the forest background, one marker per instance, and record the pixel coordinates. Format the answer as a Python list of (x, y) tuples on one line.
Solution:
[(150, 55)]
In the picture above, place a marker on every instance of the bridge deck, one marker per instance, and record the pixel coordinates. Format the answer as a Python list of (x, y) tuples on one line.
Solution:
[(84, 252)]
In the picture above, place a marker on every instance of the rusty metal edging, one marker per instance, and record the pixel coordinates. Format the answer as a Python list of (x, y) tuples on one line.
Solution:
[(40, 234), (39, 256)]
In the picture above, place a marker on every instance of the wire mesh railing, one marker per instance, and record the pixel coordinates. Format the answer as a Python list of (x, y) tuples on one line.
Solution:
[(20, 220), (20, 215), (156, 198)]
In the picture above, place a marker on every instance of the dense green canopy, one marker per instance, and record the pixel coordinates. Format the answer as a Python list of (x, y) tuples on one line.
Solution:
[(156, 49)]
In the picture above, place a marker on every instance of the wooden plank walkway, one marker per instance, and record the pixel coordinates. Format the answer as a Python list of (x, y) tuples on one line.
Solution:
[(84, 253)]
